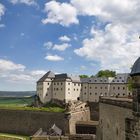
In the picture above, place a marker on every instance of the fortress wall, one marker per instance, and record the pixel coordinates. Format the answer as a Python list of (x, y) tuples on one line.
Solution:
[(28, 122), (112, 119)]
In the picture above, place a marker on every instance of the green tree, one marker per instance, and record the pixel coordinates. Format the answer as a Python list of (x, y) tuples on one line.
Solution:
[(130, 84), (83, 76), (106, 73)]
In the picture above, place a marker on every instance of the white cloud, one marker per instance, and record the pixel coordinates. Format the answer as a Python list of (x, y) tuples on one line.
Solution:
[(38, 72), (115, 48), (54, 58), (2, 10), (7, 65), (61, 47), (27, 2), (62, 13), (64, 38), (114, 10), (20, 78), (83, 67), (2, 25), (48, 45)]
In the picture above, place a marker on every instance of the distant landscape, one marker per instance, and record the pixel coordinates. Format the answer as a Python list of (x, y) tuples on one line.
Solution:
[(16, 99), (17, 93)]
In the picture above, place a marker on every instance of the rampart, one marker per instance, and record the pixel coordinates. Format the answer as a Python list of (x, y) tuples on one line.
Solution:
[(28, 122)]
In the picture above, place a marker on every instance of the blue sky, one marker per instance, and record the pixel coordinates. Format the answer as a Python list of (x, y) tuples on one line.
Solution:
[(69, 36)]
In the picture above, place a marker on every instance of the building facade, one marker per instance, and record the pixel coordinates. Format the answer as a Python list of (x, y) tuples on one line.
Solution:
[(66, 87)]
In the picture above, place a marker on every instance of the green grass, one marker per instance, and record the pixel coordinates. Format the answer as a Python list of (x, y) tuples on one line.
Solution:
[(22, 103), (13, 137), (12, 101)]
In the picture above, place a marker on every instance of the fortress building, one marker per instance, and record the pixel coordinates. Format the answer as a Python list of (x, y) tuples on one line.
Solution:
[(120, 117), (64, 87)]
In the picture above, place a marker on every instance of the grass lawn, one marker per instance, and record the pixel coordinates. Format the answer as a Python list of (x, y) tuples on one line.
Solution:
[(6, 136), (21, 104)]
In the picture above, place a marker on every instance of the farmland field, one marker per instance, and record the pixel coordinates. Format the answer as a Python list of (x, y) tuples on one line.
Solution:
[(16, 101)]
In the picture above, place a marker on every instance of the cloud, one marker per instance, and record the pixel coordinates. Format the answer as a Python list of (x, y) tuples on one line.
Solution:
[(27, 2), (48, 45), (7, 65), (2, 25), (62, 13), (2, 10), (115, 10), (83, 67), (61, 47), (38, 72), (64, 38), (116, 47), (54, 58)]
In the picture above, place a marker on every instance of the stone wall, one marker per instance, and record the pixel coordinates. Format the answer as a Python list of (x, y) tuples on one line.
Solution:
[(83, 115), (28, 122), (113, 114), (69, 137)]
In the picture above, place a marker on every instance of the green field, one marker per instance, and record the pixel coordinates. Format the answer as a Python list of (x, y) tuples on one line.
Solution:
[(13, 103), (5, 136)]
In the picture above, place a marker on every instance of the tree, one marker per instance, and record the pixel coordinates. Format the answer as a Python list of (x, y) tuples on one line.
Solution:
[(83, 76), (106, 73)]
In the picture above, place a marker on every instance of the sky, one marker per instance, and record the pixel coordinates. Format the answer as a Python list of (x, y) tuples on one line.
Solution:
[(65, 36)]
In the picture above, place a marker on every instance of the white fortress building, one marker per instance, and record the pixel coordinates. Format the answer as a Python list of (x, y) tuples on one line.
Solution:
[(64, 87)]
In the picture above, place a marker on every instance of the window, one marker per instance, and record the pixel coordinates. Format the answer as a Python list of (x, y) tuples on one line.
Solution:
[(118, 87), (61, 88), (101, 87), (100, 80), (95, 87), (123, 88), (54, 83), (48, 83), (78, 84), (85, 87), (57, 89), (95, 93), (46, 94), (61, 83), (123, 94), (74, 84), (105, 87), (68, 88), (77, 89), (95, 80), (90, 93), (105, 94), (90, 87), (68, 83), (113, 87), (47, 88), (120, 77), (85, 93), (117, 80), (74, 89)]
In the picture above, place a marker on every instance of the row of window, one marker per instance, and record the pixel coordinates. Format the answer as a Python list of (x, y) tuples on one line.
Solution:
[(119, 88), (105, 87)]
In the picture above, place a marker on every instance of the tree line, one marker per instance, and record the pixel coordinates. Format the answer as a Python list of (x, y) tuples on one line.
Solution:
[(101, 73)]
